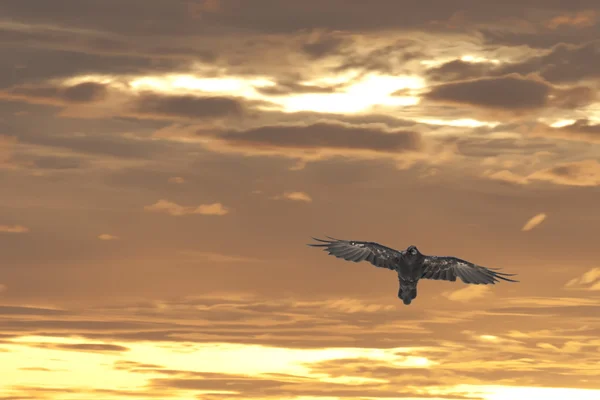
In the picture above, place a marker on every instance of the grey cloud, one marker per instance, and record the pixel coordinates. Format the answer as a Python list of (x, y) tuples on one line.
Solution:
[(326, 135), (187, 106), (581, 129), (512, 92), (563, 63), (457, 70)]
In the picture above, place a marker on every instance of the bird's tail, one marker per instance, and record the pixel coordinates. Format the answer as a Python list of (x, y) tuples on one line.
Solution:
[(407, 292)]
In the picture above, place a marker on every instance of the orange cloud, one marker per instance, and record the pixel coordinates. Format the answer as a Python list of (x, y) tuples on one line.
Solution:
[(533, 222), (580, 19), (13, 229), (467, 294), (6, 145), (176, 210), (295, 196), (106, 236), (576, 173), (589, 280)]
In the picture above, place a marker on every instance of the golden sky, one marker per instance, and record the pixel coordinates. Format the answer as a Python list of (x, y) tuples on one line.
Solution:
[(164, 162)]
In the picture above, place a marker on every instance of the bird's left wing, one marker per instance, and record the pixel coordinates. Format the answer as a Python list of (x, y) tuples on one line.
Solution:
[(352, 250), (448, 268)]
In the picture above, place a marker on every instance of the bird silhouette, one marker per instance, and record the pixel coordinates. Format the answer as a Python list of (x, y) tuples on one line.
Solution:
[(411, 265)]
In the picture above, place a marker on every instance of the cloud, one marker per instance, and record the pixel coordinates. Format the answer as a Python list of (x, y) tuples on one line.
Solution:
[(326, 135), (577, 173), (85, 92), (580, 19), (578, 130), (533, 222), (13, 229), (458, 70), (564, 63), (295, 196), (194, 255), (186, 106), (326, 140), (106, 236), (6, 147), (83, 347), (590, 280), (468, 293), (176, 179), (510, 93), (174, 209)]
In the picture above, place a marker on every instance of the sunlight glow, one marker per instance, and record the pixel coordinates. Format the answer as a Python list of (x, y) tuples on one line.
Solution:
[(490, 338), (74, 373), (370, 91), (224, 86), (357, 95), (476, 59), (562, 122), (547, 393)]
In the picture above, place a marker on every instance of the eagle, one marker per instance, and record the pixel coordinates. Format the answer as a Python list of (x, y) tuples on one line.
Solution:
[(411, 265)]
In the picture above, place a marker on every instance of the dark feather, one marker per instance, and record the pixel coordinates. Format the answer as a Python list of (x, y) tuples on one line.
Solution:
[(356, 251), (449, 268)]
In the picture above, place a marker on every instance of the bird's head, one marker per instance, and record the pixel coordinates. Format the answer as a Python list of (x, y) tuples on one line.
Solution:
[(412, 253)]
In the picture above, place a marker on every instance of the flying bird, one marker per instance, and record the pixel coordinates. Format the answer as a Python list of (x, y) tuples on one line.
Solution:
[(411, 265)]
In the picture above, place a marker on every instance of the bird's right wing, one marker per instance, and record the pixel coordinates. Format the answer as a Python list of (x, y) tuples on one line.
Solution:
[(352, 250), (449, 268)]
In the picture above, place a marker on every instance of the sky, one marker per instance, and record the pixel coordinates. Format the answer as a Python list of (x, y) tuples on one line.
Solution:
[(164, 162)]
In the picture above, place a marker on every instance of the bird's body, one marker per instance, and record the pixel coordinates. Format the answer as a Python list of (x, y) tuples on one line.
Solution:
[(411, 265)]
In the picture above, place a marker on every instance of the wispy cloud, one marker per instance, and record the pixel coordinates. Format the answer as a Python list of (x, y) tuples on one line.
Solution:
[(176, 179), (589, 280), (533, 222), (176, 210), (13, 229), (468, 293), (192, 255), (295, 196), (107, 236)]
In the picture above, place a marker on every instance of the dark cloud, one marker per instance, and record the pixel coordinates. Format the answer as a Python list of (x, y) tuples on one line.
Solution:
[(286, 88), (581, 129), (326, 135), (458, 70), (29, 311), (576, 173), (86, 92), (513, 93), (324, 46), (34, 66), (187, 106), (486, 147), (565, 63), (84, 347)]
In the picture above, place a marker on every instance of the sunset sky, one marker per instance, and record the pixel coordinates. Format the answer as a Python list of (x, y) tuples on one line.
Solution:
[(163, 164)]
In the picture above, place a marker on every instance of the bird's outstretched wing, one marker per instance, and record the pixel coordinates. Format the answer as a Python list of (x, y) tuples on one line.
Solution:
[(352, 250), (448, 268)]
